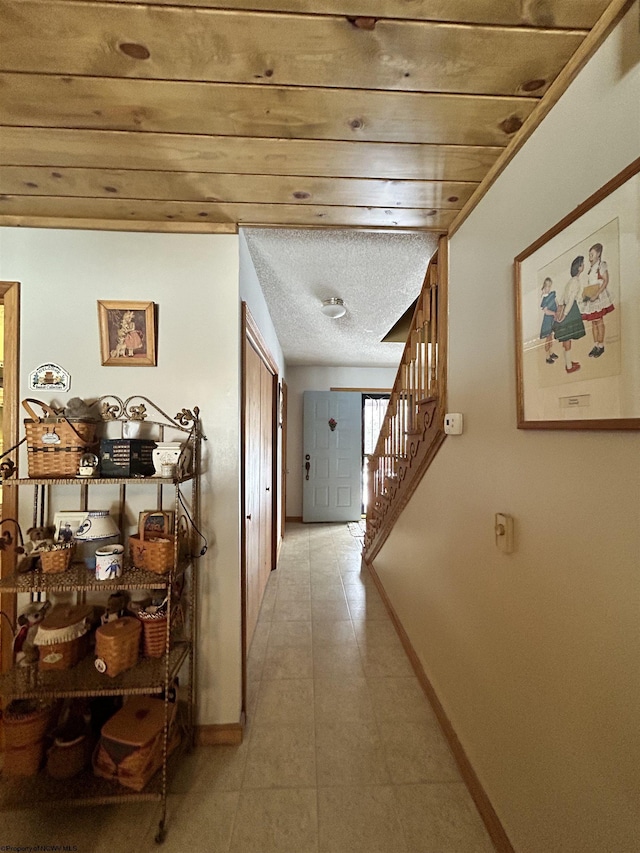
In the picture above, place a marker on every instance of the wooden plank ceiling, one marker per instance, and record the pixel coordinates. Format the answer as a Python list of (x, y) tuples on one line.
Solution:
[(199, 115)]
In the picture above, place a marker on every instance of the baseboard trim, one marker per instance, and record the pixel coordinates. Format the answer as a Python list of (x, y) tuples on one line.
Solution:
[(483, 804), (297, 518), (225, 734)]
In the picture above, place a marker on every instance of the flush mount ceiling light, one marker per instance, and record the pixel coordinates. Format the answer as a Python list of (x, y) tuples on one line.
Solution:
[(333, 308)]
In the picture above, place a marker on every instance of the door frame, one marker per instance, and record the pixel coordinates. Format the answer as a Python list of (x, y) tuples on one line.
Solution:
[(10, 297), (251, 336), (282, 422)]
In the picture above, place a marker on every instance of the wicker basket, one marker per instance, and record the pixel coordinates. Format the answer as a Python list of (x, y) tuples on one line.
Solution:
[(66, 759), (131, 744), (154, 555), (55, 445), (56, 560), (117, 645), (63, 636), (154, 634), (25, 723)]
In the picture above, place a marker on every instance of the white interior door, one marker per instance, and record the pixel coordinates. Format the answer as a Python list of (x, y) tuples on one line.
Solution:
[(332, 456)]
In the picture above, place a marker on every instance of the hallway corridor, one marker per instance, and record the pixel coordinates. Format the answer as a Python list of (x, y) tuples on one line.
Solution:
[(342, 753)]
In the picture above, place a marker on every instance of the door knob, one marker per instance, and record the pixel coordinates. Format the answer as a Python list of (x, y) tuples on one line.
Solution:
[(307, 466), (249, 517)]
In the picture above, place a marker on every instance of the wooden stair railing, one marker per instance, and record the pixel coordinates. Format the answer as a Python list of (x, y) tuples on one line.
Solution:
[(412, 431)]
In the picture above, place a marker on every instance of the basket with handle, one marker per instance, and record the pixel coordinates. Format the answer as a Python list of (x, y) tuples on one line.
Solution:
[(153, 554), (55, 445)]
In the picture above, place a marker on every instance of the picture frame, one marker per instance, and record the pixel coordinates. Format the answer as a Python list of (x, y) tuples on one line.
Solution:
[(577, 290), (155, 522), (127, 333), (67, 522)]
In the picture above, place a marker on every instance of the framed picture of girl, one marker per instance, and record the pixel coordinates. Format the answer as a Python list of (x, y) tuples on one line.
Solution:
[(577, 334), (127, 333)]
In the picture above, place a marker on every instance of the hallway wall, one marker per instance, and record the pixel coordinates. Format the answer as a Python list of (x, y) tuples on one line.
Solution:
[(194, 281), (301, 378), (534, 655)]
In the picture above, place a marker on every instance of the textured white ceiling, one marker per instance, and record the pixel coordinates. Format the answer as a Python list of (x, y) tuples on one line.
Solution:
[(378, 275)]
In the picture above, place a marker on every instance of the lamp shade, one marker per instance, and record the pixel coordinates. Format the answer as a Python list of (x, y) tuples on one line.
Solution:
[(97, 531), (97, 525), (333, 308)]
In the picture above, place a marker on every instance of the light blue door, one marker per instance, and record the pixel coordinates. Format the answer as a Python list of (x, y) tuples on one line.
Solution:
[(332, 456)]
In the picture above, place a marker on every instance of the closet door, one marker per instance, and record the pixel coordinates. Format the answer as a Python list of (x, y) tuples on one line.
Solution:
[(258, 470), (266, 474), (252, 491)]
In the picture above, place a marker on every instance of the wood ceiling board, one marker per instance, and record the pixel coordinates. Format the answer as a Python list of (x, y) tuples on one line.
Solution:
[(203, 108), (187, 43), (552, 13), (259, 189), (604, 26), (115, 149), (118, 225), (244, 214)]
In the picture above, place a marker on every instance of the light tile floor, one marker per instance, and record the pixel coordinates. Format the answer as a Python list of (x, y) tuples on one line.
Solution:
[(342, 752)]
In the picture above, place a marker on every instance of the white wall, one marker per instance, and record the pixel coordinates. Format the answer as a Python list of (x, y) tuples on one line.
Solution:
[(304, 378), (251, 293), (194, 281), (534, 655)]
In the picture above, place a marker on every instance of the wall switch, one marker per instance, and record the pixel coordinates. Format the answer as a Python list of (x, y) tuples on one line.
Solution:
[(453, 423), (503, 529)]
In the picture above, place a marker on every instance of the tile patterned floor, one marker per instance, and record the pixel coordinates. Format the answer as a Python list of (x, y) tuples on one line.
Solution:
[(342, 752)]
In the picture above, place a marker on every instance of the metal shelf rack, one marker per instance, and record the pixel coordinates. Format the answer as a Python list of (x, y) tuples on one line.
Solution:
[(151, 676)]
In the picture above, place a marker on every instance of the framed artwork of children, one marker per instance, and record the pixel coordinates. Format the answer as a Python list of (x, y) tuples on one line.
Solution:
[(127, 333), (577, 291)]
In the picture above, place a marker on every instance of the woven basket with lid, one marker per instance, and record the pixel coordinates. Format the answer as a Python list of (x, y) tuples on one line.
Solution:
[(117, 645), (130, 747), (55, 444), (63, 636)]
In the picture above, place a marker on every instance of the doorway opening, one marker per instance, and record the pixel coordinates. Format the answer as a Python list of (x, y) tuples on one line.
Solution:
[(374, 408)]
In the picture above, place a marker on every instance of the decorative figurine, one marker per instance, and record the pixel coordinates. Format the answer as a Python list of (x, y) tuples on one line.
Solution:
[(89, 465)]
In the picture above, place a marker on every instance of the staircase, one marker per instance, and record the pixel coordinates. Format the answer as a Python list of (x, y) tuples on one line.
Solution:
[(412, 431)]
